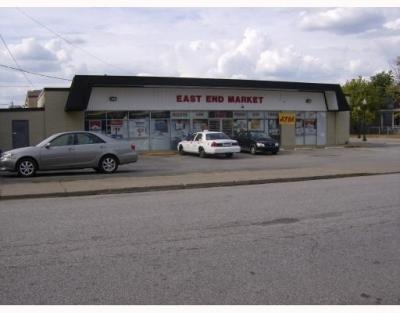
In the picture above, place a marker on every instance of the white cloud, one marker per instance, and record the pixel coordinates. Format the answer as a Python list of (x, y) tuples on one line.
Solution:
[(393, 25), (341, 20), (31, 50), (241, 59), (288, 62)]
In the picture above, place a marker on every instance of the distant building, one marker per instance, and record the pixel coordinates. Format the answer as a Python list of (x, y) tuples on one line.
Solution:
[(31, 99), (157, 112)]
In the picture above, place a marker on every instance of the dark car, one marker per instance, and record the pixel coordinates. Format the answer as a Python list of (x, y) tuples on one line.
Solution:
[(257, 142)]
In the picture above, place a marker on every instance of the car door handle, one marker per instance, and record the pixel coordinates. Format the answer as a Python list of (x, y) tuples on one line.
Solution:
[(71, 149)]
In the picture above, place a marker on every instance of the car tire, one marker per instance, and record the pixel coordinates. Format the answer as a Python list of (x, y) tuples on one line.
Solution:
[(181, 151), (108, 164), (229, 155), (274, 152), (253, 150), (26, 167), (202, 153)]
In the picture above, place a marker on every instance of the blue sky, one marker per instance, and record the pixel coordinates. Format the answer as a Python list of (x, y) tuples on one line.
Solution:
[(312, 44)]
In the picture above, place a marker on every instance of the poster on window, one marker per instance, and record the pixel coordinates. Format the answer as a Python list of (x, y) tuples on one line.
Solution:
[(310, 126), (138, 128), (256, 125), (95, 125)]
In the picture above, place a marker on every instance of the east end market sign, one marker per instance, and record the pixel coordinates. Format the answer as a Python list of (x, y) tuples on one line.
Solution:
[(218, 99)]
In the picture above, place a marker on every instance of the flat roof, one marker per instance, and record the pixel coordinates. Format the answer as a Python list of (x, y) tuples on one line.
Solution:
[(82, 85)]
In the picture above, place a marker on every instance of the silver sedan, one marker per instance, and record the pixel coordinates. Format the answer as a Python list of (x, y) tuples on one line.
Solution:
[(70, 150)]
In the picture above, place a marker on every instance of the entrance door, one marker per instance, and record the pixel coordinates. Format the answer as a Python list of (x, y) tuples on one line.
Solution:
[(221, 125), (20, 133)]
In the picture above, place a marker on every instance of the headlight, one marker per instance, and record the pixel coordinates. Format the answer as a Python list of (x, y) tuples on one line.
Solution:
[(260, 144), (276, 144), (6, 155)]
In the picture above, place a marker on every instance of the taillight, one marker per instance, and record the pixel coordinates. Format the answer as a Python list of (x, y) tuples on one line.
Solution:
[(133, 147)]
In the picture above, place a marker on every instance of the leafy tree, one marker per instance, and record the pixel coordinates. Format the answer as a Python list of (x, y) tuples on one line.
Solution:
[(357, 90)]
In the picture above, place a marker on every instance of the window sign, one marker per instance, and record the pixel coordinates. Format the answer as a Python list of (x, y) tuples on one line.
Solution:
[(95, 126), (199, 115), (180, 115), (117, 128), (255, 115), (255, 124), (138, 128), (240, 115)]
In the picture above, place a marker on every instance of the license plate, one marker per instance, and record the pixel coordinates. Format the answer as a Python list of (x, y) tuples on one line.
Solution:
[(227, 145)]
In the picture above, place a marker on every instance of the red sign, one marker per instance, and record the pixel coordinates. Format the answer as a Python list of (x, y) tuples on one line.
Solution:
[(218, 99)]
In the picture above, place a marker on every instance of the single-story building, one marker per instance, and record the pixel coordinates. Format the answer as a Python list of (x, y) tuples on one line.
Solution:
[(157, 112)]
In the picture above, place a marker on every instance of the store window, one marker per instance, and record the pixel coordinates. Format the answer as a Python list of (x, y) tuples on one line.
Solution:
[(139, 126), (117, 124), (160, 130), (180, 127), (239, 122), (96, 121), (272, 125), (306, 128), (310, 128), (255, 121), (199, 121)]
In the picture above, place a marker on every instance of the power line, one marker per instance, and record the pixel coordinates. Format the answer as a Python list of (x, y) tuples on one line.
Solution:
[(33, 73), (15, 61), (67, 41)]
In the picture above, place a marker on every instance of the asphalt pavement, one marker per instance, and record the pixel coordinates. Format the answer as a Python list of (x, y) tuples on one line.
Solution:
[(106, 184)]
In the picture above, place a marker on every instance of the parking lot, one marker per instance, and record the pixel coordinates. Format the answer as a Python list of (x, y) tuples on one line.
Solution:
[(382, 155)]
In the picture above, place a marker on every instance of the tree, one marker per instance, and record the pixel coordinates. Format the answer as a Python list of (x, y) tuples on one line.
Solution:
[(357, 91)]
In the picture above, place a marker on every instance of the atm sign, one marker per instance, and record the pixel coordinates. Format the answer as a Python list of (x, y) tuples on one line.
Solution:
[(287, 118)]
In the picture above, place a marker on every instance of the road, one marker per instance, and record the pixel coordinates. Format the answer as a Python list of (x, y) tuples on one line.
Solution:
[(318, 242)]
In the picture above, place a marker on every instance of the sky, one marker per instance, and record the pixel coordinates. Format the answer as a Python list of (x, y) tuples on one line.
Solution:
[(308, 44)]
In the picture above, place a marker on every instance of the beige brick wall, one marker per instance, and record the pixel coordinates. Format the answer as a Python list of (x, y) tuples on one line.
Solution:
[(36, 126), (56, 119), (342, 127), (288, 139), (338, 128)]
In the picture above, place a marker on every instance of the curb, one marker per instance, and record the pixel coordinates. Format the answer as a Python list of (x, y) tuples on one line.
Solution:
[(188, 186)]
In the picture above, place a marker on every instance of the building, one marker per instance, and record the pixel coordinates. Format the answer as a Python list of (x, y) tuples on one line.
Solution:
[(157, 112), (31, 99)]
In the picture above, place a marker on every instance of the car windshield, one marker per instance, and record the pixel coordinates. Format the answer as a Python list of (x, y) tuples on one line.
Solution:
[(259, 136), (214, 136)]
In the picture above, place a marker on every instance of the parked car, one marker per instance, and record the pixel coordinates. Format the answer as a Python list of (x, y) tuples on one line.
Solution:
[(254, 142), (70, 150), (208, 142)]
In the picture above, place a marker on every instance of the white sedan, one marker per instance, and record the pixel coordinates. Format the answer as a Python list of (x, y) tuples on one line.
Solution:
[(208, 142)]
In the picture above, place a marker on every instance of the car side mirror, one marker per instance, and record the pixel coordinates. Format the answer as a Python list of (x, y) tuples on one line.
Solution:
[(48, 145)]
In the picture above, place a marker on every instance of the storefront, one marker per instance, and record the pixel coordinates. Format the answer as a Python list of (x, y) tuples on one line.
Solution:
[(157, 112)]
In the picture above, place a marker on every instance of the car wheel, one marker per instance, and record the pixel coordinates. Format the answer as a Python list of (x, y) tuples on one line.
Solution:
[(253, 150), (26, 167), (229, 155), (108, 164), (274, 152), (202, 153), (181, 151)]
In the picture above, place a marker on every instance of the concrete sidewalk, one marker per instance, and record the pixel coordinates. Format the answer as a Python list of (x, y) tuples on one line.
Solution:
[(110, 184), (107, 184)]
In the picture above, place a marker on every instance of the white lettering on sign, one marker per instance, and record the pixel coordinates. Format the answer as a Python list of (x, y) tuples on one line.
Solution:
[(218, 99)]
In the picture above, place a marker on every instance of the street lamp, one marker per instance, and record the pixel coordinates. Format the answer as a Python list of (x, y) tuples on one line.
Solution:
[(358, 109), (364, 106)]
